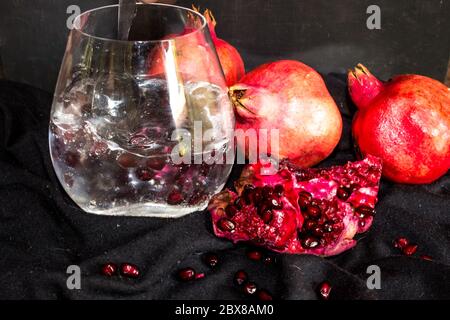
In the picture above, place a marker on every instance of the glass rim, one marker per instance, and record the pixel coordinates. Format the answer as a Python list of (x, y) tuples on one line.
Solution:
[(77, 25)]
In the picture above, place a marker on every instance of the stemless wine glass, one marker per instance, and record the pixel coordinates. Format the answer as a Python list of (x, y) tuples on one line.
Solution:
[(142, 127)]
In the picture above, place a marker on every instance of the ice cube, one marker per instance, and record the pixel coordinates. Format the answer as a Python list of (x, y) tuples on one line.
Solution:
[(114, 106)]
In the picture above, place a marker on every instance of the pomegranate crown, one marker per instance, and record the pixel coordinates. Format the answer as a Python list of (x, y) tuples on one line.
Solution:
[(363, 86), (210, 19)]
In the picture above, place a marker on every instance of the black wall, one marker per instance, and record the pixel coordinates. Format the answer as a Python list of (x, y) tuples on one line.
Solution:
[(331, 36)]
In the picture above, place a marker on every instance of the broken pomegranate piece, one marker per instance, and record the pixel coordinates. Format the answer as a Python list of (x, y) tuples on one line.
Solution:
[(300, 211)]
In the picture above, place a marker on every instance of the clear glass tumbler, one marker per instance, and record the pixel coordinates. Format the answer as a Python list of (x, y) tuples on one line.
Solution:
[(142, 127)]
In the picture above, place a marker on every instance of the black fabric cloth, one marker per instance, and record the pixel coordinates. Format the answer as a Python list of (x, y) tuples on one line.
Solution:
[(42, 232)]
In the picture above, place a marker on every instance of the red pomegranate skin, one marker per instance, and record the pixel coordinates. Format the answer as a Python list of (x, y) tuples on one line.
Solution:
[(195, 60), (292, 97), (190, 55), (405, 122)]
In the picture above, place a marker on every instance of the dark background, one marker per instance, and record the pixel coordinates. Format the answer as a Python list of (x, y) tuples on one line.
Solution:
[(331, 36)]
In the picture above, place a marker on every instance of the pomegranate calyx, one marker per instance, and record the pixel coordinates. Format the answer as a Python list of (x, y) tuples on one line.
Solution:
[(210, 20), (238, 100), (363, 86)]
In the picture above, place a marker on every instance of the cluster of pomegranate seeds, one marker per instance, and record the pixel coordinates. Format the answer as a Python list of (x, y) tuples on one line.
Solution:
[(325, 290), (186, 274), (126, 269), (298, 210), (407, 248)]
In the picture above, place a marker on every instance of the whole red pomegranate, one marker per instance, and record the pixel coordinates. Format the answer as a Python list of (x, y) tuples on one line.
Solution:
[(405, 122), (291, 97), (312, 211), (191, 52)]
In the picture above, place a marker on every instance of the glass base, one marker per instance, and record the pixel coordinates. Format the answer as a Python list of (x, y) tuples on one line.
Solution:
[(148, 210)]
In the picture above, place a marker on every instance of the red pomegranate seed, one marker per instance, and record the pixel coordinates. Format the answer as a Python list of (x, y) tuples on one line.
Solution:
[(410, 249), (310, 242), (186, 274), (250, 288), (401, 243), (324, 290), (263, 295), (231, 211), (225, 225), (72, 159), (364, 211), (266, 216), (127, 160), (199, 275), (129, 270), (211, 259), (144, 174), (313, 211), (240, 277), (109, 269), (175, 197), (426, 257), (279, 190), (156, 163), (268, 260), (254, 255)]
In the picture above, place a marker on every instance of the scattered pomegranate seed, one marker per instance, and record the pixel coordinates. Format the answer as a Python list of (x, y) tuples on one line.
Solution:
[(268, 260), (129, 270), (249, 288), (211, 259), (109, 269), (324, 290), (426, 257), (254, 255), (186, 274), (199, 275), (401, 243), (263, 295), (240, 277), (410, 249)]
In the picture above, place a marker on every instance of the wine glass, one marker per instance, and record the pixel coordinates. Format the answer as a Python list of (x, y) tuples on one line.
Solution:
[(142, 127)]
